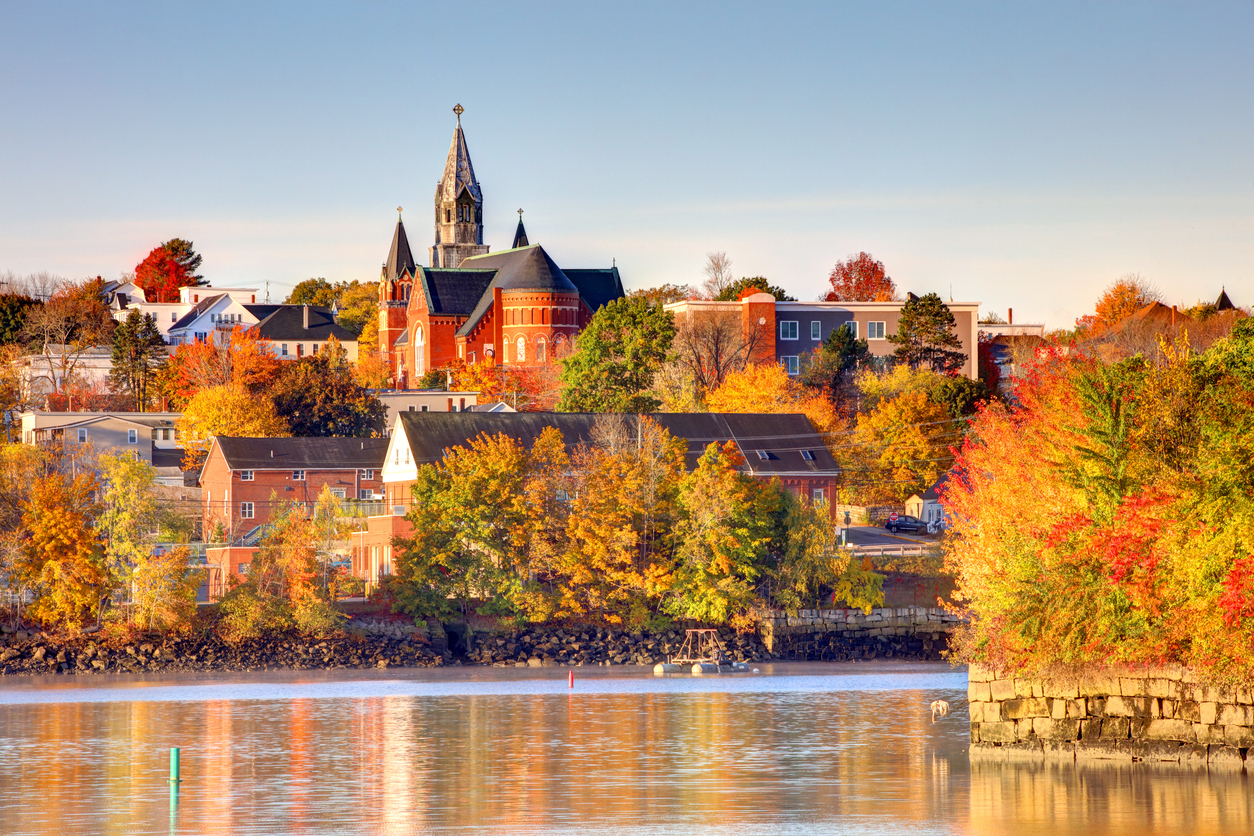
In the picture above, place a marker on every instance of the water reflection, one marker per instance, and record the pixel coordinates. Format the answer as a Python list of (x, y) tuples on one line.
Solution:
[(811, 749)]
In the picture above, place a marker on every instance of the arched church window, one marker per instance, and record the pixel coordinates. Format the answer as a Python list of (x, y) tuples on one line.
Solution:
[(448, 216), (419, 336), (540, 349), (522, 350)]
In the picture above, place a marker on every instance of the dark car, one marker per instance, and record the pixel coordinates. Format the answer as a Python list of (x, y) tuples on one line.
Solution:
[(905, 523)]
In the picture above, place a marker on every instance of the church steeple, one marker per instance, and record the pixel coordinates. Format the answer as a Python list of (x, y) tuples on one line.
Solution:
[(458, 206), (520, 234), (400, 259)]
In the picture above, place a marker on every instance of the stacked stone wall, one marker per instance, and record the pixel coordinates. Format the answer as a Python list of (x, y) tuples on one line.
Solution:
[(844, 634), (1163, 715)]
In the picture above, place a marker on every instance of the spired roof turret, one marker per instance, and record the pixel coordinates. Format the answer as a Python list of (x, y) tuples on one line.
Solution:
[(400, 259), (459, 173), (520, 235)]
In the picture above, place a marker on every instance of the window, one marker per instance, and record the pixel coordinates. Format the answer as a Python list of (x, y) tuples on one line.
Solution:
[(875, 330), (792, 365), (132, 436), (315, 349), (411, 407), (245, 510), (852, 325), (245, 475), (819, 495), (522, 350), (426, 408), (816, 330), (82, 436), (364, 495), (788, 330), (165, 435), (202, 337), (338, 493), (366, 474), (807, 455), (243, 568), (539, 349), (300, 349), (283, 350), (173, 317), (298, 475), (762, 454)]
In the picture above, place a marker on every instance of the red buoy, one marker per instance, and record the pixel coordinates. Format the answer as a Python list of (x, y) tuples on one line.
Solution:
[(570, 679)]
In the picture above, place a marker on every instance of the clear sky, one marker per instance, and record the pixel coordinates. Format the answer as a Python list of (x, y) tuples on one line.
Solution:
[(1024, 155)]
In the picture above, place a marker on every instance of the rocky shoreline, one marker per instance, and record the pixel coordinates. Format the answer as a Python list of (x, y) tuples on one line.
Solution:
[(397, 643)]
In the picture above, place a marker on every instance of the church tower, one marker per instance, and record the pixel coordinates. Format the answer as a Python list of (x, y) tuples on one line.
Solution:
[(458, 206)]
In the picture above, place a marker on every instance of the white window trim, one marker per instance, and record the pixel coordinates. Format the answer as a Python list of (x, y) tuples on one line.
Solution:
[(246, 476), (816, 329), (883, 329), (300, 478), (791, 364), (246, 511), (795, 329)]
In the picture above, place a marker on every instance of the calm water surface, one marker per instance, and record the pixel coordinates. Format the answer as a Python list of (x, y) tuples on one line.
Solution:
[(796, 749)]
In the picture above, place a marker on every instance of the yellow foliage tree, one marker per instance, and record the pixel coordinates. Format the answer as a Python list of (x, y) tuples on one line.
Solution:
[(371, 371), (767, 387), (229, 410), (62, 561), (904, 446)]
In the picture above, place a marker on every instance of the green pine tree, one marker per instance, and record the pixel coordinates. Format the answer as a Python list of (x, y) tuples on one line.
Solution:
[(139, 351), (925, 336)]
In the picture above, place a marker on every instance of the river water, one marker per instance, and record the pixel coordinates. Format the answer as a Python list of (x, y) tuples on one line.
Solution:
[(794, 749)]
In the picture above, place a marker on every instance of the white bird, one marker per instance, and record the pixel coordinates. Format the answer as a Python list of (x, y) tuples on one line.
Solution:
[(939, 708)]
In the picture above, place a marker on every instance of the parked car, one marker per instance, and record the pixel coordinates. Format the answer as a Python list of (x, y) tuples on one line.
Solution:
[(904, 522)]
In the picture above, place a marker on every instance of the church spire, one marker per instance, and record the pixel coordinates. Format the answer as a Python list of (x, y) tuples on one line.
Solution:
[(458, 205), (520, 234), (400, 259)]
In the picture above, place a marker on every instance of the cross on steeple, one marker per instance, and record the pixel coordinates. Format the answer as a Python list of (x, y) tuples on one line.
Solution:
[(459, 110)]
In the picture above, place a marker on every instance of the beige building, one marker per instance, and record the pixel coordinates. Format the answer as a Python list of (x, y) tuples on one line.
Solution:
[(150, 436)]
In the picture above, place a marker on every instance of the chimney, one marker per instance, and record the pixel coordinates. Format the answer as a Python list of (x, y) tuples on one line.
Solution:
[(1010, 316), (1173, 316), (305, 310)]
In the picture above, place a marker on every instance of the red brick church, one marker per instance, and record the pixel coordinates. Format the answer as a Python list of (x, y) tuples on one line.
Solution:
[(515, 307)]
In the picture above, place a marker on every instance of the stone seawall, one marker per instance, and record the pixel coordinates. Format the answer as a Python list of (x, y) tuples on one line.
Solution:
[(844, 634), (1162, 715)]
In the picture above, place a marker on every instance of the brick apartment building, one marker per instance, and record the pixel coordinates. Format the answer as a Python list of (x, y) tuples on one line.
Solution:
[(784, 447), (243, 479)]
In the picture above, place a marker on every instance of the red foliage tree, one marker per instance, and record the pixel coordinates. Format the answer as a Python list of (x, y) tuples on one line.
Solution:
[(860, 278), (167, 268)]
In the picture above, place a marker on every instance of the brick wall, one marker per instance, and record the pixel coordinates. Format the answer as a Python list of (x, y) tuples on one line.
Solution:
[(1163, 715)]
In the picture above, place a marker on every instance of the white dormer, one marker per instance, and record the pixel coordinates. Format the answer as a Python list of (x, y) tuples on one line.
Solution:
[(242, 295), (399, 466)]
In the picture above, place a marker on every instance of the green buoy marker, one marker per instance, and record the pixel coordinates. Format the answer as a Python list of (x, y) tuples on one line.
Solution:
[(174, 766)]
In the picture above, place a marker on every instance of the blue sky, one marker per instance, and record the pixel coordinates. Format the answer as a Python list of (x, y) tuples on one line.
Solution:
[(1024, 156)]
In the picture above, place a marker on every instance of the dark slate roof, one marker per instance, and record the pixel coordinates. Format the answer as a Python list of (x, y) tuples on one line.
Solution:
[(302, 453), (597, 287), (783, 438), (455, 291), (167, 457), (195, 313), (932, 494), (287, 322), (400, 259), (520, 236), (528, 268), (1223, 303)]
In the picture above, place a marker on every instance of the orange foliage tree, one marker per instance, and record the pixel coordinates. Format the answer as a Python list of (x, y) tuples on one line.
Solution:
[(767, 388), (167, 268), (243, 360), (860, 278), (1125, 296)]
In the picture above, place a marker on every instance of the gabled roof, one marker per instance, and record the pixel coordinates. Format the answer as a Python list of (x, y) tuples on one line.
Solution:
[(287, 322), (1157, 314), (783, 437), (301, 453), (597, 287), (197, 311), (400, 260), (459, 174), (454, 291)]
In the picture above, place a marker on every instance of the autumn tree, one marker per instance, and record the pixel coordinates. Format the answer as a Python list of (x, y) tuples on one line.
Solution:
[(73, 320), (62, 561), (170, 266), (616, 358), (860, 278), (768, 388), (312, 292), (710, 344), (741, 288), (926, 335), (243, 360), (14, 309), (357, 302), (1125, 296), (283, 588), (721, 540), (139, 350), (663, 294), (832, 365), (229, 410), (319, 396), (371, 370), (904, 447)]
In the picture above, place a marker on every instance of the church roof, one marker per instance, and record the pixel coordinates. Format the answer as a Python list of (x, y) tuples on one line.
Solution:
[(520, 235), (459, 174), (597, 287), (454, 291), (400, 259), (1223, 303), (528, 268)]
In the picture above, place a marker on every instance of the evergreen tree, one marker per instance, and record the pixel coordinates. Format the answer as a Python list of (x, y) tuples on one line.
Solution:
[(616, 358), (836, 359), (139, 351), (13, 310), (925, 335)]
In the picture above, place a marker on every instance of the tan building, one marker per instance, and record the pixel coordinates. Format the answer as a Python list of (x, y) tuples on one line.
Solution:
[(150, 436)]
